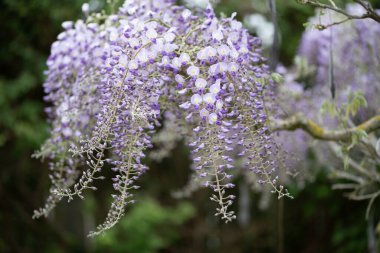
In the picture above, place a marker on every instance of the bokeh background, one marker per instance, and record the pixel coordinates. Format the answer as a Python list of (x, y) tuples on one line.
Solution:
[(316, 220)]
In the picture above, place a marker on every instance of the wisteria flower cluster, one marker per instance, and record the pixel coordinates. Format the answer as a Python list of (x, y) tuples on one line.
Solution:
[(112, 80)]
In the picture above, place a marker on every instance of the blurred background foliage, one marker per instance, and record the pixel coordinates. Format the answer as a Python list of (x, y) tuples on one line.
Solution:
[(317, 220), (148, 228)]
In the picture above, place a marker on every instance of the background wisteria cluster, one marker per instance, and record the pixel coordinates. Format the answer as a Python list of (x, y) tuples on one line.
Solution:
[(335, 82)]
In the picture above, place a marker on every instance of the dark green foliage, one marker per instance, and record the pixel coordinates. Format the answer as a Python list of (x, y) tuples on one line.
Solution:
[(27, 31), (147, 228), (329, 222)]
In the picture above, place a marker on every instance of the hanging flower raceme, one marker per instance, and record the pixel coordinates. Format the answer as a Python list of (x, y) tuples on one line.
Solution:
[(111, 80)]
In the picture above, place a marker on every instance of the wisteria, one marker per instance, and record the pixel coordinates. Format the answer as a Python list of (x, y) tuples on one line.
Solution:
[(112, 80)]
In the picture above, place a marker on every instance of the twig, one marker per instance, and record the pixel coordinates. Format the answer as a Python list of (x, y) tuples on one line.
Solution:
[(370, 12), (276, 35)]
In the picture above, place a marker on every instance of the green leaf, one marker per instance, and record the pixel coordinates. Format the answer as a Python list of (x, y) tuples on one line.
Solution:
[(278, 78), (356, 137), (328, 108), (356, 102)]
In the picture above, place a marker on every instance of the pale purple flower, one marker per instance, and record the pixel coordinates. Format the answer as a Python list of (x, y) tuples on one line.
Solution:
[(214, 69), (186, 14), (204, 113), (192, 71), (67, 132), (165, 60), (183, 91), (67, 25), (85, 8), (200, 83), (133, 65), (219, 105), (179, 79), (233, 67), (196, 99), (209, 98), (134, 42), (143, 56), (210, 51), (223, 67), (151, 33), (215, 88), (169, 37), (169, 48), (236, 25), (202, 54), (184, 58), (223, 50), (185, 105), (243, 49), (176, 63), (212, 118), (217, 35)]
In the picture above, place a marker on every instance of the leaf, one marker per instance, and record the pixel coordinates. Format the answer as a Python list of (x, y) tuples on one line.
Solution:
[(358, 101), (278, 78), (345, 157), (328, 107), (357, 136)]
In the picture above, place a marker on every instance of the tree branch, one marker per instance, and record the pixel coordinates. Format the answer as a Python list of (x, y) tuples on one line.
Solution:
[(370, 12), (299, 121)]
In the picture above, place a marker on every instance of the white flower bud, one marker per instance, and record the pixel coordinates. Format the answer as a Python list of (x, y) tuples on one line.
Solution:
[(200, 83), (67, 25), (133, 65), (212, 118), (186, 14), (151, 33), (217, 35), (85, 8)]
